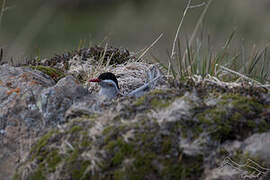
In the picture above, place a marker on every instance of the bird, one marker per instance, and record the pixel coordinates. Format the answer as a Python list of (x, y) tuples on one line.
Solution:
[(110, 88), (109, 85)]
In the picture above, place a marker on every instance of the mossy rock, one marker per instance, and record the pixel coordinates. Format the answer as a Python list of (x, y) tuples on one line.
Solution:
[(156, 99), (115, 158), (129, 141), (233, 117), (54, 73)]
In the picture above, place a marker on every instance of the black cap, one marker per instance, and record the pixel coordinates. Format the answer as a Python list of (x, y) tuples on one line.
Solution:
[(108, 76)]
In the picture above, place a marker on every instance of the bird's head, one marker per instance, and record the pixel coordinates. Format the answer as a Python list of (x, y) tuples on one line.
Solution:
[(109, 84)]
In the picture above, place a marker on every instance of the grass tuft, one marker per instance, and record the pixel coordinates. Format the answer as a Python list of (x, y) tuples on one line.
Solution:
[(227, 64)]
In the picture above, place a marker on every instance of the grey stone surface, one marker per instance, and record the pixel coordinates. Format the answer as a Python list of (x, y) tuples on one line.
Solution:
[(57, 99), (30, 101), (258, 146)]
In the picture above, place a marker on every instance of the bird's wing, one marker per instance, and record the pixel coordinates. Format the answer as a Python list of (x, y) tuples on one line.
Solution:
[(153, 75)]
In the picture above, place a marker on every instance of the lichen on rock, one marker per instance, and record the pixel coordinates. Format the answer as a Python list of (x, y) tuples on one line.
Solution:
[(164, 134), (180, 130)]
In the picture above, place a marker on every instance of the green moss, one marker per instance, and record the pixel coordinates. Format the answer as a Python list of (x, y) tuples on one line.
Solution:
[(111, 132), (85, 143), (75, 129), (120, 150), (142, 165), (232, 112), (84, 133), (144, 159), (243, 103), (79, 172), (117, 118), (263, 126), (218, 115), (119, 175), (73, 156), (146, 139), (188, 168), (93, 116), (36, 149), (16, 176), (107, 130), (118, 158), (203, 118), (154, 99), (76, 167), (139, 101), (236, 116), (110, 145), (52, 72), (159, 103), (157, 92), (251, 123), (166, 145), (176, 171), (53, 160), (37, 175), (222, 132)]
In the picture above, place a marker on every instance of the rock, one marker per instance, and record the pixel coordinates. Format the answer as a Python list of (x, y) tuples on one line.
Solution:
[(266, 98), (245, 160), (223, 173), (258, 146), (20, 117), (56, 100), (54, 128), (158, 135), (19, 89), (30, 102)]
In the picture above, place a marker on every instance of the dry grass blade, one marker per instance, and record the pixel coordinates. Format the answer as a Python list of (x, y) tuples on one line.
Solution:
[(149, 47), (255, 61), (101, 60), (189, 58), (264, 73), (178, 57), (178, 29), (109, 60), (221, 55), (3, 9), (1, 55), (194, 33), (170, 68), (241, 75), (228, 42)]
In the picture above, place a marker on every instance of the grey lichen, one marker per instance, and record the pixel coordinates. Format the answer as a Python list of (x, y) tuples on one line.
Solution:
[(130, 139)]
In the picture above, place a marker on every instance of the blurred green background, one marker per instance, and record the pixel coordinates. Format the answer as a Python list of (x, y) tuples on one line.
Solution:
[(42, 28)]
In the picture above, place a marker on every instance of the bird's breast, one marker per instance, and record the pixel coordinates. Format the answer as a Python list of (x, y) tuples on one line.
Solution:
[(108, 92)]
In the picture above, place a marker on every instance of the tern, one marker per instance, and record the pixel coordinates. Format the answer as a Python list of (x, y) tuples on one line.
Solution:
[(110, 88)]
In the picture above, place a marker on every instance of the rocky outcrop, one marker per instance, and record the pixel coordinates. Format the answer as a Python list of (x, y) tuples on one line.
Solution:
[(54, 126), (166, 134), (19, 88), (30, 102)]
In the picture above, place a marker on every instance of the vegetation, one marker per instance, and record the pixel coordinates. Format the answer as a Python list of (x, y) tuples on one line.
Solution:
[(199, 59)]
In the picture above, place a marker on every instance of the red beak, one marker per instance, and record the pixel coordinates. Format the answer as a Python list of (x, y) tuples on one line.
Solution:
[(94, 80)]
